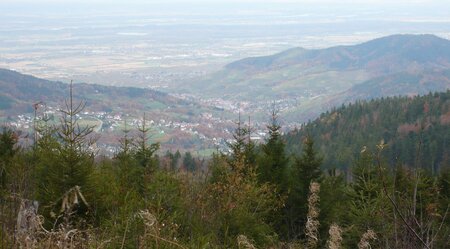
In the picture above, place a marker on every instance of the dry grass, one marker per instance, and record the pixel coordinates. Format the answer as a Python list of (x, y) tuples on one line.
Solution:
[(244, 242), (63, 235), (312, 223), (335, 239), (291, 245), (364, 243), (151, 232)]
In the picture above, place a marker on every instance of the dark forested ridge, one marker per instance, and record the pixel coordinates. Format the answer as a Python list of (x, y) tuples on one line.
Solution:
[(416, 130)]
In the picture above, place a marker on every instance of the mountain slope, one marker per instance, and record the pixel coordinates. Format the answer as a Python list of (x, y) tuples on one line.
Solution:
[(402, 83), (20, 91), (416, 129), (322, 78), (386, 54)]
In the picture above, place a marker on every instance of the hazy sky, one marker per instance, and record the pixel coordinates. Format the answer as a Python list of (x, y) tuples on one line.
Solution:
[(358, 2), (218, 5)]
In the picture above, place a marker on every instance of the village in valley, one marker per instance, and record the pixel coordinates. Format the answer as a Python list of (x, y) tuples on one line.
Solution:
[(205, 133)]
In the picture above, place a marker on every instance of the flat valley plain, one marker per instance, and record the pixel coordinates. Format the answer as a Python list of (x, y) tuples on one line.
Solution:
[(159, 46)]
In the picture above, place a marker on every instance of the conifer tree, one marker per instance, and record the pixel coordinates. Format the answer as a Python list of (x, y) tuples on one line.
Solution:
[(307, 166), (250, 147), (130, 173), (189, 162), (75, 143), (145, 153), (305, 170), (273, 162), (242, 150), (175, 159), (8, 141), (364, 211), (8, 149), (64, 157), (127, 146)]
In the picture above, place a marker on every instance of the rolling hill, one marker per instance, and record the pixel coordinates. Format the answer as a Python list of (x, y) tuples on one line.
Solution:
[(20, 91), (322, 78), (384, 55)]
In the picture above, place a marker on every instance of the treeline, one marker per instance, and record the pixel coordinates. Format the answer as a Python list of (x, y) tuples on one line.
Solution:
[(417, 130), (253, 197)]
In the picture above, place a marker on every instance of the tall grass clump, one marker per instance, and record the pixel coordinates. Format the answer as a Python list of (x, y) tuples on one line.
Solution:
[(312, 222)]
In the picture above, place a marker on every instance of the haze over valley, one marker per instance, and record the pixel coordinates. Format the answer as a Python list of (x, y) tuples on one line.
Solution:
[(157, 45), (208, 63)]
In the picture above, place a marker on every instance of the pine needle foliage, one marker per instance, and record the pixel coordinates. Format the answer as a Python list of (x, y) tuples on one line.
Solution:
[(273, 162), (65, 156)]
